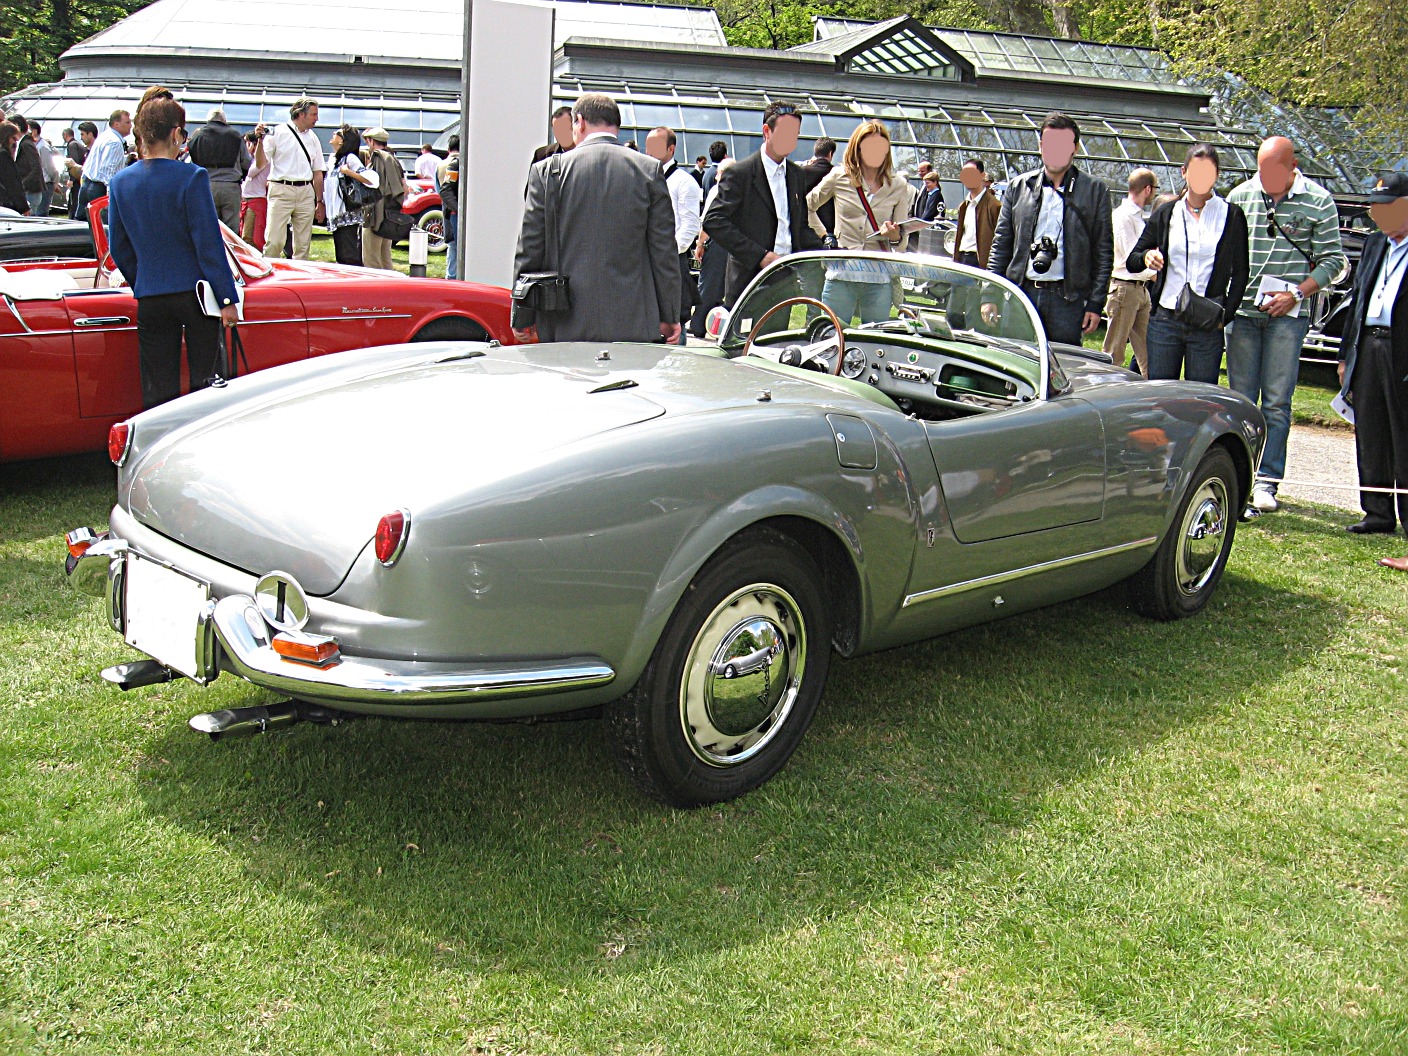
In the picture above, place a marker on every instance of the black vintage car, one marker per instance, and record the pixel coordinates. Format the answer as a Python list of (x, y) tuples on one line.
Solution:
[(41, 238), (1328, 307)]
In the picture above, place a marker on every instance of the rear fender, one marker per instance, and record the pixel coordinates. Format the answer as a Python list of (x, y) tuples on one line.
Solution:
[(763, 504)]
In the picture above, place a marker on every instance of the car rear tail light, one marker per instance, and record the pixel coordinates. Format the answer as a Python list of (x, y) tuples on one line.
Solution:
[(79, 540), (320, 650), (391, 533), (119, 441)]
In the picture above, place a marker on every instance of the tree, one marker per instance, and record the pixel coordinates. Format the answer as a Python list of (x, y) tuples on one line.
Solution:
[(34, 35)]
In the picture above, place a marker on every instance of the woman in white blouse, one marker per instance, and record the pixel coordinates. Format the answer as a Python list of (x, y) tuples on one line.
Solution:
[(870, 200), (1198, 240), (344, 220)]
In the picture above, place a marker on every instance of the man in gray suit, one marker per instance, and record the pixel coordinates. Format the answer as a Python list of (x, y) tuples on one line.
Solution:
[(616, 233)]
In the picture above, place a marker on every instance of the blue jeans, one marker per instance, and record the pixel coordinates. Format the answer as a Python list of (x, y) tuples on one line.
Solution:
[(452, 256), (1059, 317), (35, 200), (872, 300), (1263, 360), (46, 199), (1176, 349)]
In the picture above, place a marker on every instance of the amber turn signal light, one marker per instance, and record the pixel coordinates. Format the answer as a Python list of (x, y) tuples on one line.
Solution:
[(320, 650), (79, 540)]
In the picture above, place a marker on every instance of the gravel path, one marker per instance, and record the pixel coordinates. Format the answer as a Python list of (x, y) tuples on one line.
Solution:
[(1321, 455)]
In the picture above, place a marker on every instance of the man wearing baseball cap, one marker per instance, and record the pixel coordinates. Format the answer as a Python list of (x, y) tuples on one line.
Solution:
[(1374, 362)]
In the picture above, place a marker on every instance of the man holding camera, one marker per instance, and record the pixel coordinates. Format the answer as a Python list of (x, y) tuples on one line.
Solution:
[(295, 160), (1054, 238)]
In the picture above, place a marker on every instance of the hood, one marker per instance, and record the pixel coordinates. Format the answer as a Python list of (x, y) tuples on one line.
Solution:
[(298, 482)]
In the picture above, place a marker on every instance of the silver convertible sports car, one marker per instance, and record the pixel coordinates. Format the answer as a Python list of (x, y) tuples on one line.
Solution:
[(881, 448)]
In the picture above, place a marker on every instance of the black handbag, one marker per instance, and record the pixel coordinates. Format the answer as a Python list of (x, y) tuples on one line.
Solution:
[(395, 225), (1193, 309), (547, 291), (356, 194)]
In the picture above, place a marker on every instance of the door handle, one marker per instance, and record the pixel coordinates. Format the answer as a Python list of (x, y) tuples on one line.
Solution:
[(103, 320)]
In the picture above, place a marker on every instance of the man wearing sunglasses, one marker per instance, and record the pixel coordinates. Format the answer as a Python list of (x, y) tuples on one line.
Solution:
[(760, 213), (1294, 251)]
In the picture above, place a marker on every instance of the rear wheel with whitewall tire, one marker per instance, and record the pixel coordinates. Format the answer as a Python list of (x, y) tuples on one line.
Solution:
[(1189, 563), (432, 222), (702, 724)]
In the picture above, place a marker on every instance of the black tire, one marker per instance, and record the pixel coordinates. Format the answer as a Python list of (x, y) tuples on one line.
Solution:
[(1186, 568), (452, 330), (686, 735)]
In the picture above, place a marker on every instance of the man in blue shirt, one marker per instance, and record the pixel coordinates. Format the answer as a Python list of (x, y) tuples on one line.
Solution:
[(1374, 365), (105, 160)]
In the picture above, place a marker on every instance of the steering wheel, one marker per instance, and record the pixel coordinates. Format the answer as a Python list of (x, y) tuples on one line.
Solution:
[(789, 303)]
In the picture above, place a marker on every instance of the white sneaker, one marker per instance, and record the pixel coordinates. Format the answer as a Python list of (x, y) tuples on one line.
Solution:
[(1264, 498)]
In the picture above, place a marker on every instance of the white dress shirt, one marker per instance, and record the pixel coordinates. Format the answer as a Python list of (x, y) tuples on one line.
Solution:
[(684, 196), (777, 180), (1051, 221), (1386, 284), (1191, 261), (286, 160), (1128, 222), (969, 244), (107, 156)]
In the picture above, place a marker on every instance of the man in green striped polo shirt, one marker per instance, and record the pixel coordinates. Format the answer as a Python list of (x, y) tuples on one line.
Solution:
[(1294, 251)]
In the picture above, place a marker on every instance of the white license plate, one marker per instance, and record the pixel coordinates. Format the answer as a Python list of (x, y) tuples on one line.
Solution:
[(163, 610)]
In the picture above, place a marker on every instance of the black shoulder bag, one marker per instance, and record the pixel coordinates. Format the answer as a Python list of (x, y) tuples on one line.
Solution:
[(1193, 309), (547, 291)]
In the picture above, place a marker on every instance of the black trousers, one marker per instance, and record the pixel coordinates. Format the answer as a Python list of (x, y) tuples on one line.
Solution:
[(161, 322), (713, 270), (1380, 430), (347, 244)]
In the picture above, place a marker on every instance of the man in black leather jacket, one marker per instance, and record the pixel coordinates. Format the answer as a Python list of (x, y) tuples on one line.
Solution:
[(1059, 202)]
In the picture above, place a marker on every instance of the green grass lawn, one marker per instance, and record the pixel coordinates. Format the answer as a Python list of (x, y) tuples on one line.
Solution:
[(1070, 832)]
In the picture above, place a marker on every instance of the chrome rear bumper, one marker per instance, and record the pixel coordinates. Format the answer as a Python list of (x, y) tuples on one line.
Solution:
[(244, 649)]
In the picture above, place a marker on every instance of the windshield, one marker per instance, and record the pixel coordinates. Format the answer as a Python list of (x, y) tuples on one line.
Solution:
[(252, 263), (873, 289)]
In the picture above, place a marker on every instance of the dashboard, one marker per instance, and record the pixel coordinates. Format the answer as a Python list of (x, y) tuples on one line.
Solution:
[(929, 377)]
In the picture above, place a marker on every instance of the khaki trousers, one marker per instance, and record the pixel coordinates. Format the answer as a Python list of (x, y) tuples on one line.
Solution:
[(1128, 311), (290, 205), (376, 251)]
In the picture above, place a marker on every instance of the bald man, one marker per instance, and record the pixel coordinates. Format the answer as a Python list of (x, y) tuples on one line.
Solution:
[(1294, 246)]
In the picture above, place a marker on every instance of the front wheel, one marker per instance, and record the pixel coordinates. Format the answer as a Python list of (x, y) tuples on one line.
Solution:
[(1189, 563), (701, 728)]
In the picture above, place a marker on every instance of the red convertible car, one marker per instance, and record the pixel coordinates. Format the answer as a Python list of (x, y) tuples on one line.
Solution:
[(68, 332)]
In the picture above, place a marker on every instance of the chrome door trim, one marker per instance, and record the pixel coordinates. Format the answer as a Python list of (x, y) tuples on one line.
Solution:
[(1020, 573), (103, 320)]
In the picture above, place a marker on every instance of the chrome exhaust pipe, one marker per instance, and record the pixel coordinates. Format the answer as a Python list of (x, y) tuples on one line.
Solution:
[(261, 718), (138, 673)]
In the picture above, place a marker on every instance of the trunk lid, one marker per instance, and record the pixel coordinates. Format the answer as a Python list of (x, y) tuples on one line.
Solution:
[(298, 482)]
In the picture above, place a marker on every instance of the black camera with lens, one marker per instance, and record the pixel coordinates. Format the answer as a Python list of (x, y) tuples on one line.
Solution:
[(1044, 251)]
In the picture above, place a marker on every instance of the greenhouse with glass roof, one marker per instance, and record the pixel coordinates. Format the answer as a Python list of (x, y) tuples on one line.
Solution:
[(945, 94)]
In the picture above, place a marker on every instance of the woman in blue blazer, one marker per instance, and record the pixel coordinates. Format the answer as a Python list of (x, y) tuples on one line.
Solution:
[(165, 237)]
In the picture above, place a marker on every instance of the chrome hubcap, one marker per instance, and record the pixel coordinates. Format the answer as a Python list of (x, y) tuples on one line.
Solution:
[(742, 674), (1202, 536)]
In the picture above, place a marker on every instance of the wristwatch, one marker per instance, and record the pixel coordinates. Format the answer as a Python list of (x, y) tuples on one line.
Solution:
[(1295, 292)]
